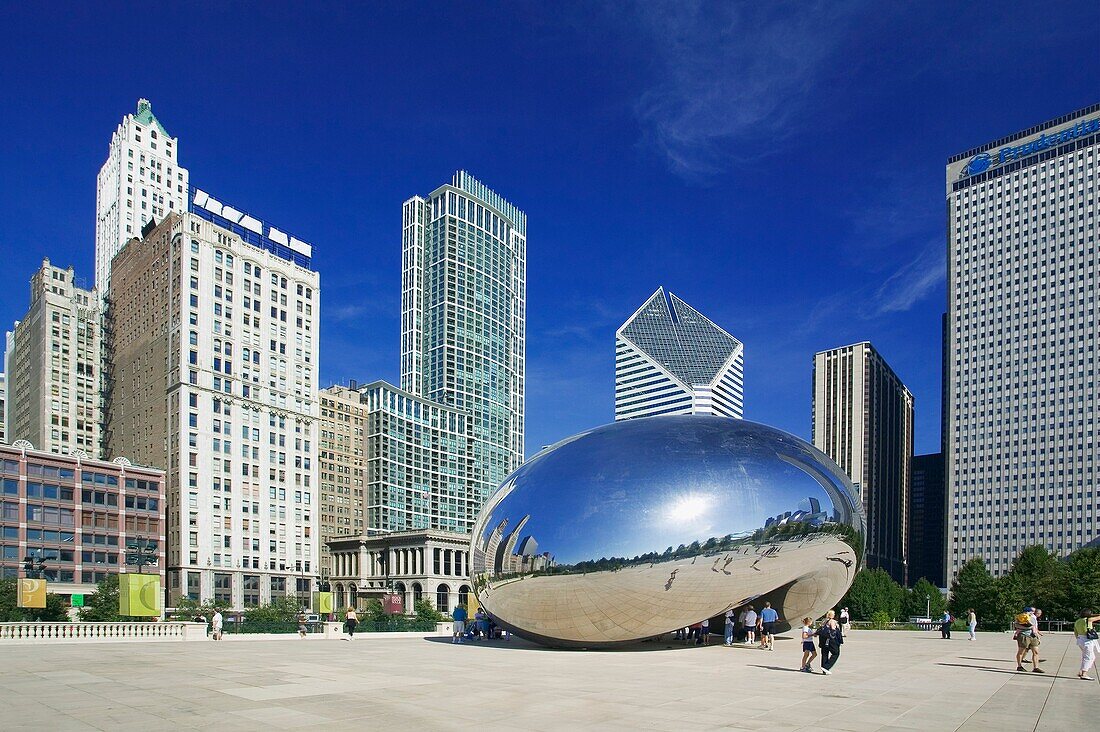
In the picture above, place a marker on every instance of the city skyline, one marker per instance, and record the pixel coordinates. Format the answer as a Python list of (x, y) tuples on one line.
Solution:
[(861, 261)]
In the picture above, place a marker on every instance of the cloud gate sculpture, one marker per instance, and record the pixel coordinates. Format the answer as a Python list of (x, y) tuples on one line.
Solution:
[(637, 528)]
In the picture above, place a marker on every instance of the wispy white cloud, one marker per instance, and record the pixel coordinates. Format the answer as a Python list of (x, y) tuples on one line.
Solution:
[(911, 282), (732, 75)]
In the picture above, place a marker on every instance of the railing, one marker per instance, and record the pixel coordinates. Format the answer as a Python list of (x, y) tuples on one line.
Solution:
[(90, 632)]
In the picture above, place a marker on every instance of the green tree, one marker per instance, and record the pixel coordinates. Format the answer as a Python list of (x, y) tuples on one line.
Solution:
[(374, 612), (873, 591), (425, 611), (187, 608), (279, 610), (923, 594), (974, 587), (10, 611), (1035, 578), (1079, 588)]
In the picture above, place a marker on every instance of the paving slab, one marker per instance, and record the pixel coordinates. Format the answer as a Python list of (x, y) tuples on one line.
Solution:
[(885, 682)]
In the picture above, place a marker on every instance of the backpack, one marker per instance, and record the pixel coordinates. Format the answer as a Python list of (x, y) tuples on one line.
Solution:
[(1023, 619)]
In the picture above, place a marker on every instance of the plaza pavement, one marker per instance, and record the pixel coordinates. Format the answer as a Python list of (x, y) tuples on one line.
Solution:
[(884, 681)]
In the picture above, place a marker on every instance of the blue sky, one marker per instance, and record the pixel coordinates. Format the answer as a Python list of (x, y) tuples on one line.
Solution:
[(780, 166)]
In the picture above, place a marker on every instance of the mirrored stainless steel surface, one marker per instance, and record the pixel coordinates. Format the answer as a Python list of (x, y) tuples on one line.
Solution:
[(638, 528)]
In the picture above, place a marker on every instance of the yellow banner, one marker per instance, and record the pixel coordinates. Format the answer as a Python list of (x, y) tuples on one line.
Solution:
[(322, 602), (32, 593), (139, 595)]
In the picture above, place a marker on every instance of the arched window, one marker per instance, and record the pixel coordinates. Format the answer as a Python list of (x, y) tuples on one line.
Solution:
[(443, 599), (464, 595), (418, 592), (353, 597)]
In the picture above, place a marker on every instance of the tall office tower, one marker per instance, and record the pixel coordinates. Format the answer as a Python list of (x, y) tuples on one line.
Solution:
[(863, 419), (420, 463), (463, 318), (927, 500), (341, 430), (212, 331), (141, 180), (670, 359), (53, 358), (3, 406), (1023, 407)]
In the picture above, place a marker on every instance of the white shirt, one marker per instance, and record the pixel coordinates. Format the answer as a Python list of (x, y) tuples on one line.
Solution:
[(750, 617), (216, 621)]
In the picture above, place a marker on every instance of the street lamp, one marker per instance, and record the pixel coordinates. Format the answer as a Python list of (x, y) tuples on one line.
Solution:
[(141, 552), (33, 566)]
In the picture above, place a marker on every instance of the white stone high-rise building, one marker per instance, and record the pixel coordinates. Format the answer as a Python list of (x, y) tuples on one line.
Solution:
[(142, 180), (463, 321), (863, 420), (52, 360), (213, 335), (671, 359), (1023, 408)]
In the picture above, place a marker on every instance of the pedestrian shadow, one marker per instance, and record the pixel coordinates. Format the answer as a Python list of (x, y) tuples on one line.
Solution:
[(994, 670), (777, 668)]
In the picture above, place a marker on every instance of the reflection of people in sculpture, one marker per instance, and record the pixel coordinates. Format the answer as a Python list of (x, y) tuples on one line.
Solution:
[(671, 577)]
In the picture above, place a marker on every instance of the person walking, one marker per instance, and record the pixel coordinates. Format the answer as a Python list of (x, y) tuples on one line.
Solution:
[(845, 621), (704, 633), (768, 618), (750, 626), (351, 620), (741, 632), (830, 638), (1088, 641), (216, 625), (729, 627), (972, 623), (459, 616), (945, 625), (1026, 627), (809, 652)]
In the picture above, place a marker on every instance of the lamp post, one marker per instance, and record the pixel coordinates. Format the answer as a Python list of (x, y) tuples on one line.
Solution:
[(927, 606), (141, 552), (33, 566)]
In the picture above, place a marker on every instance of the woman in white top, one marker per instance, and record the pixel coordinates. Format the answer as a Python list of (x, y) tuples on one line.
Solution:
[(809, 650)]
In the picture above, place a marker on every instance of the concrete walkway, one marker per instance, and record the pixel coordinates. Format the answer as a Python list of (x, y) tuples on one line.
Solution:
[(884, 681)]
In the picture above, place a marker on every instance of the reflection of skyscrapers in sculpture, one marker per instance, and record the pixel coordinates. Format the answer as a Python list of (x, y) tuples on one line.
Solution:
[(501, 551), (808, 512), (863, 419), (463, 311), (670, 359)]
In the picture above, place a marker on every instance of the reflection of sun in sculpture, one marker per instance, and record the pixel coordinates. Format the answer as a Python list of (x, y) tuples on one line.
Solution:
[(688, 508), (637, 528)]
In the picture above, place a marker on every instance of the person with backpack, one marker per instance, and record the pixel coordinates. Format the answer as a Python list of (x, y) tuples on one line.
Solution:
[(829, 639), (1025, 628), (1088, 641)]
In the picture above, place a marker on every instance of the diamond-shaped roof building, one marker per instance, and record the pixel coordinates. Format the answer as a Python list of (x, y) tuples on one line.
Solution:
[(672, 359)]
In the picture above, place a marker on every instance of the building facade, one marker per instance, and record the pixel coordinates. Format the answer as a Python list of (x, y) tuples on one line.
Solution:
[(417, 565), (76, 515), (1022, 407), (671, 359), (420, 463), (927, 517), (341, 430), (863, 419), (53, 360), (212, 330), (463, 318), (142, 180)]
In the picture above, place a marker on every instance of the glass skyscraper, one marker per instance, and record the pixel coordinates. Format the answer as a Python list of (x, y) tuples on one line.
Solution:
[(1022, 409), (671, 359), (463, 315)]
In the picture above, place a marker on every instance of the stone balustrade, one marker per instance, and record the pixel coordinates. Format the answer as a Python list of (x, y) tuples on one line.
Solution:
[(41, 632)]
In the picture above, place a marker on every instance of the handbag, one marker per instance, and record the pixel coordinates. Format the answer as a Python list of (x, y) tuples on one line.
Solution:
[(1091, 635)]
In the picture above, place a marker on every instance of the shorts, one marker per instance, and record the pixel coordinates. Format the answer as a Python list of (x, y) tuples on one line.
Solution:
[(460, 626), (808, 646), (1026, 642), (768, 628)]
